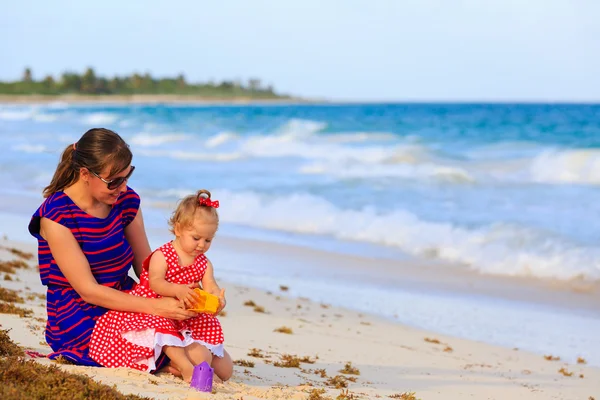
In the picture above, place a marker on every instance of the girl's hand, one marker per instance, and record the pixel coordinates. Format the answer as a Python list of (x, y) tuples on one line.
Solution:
[(169, 307), (186, 295), (222, 301)]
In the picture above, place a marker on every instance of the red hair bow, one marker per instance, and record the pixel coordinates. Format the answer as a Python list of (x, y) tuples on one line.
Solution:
[(208, 202)]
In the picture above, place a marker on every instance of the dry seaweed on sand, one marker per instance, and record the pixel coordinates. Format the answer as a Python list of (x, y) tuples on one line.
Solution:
[(9, 308), (19, 253), (22, 379), (338, 382), (7, 347), (321, 372), (284, 329), (345, 394), (404, 396), (259, 309), (10, 296), (349, 369), (254, 352), (550, 357), (30, 380), (62, 360), (318, 394), (10, 267), (291, 361), (565, 372), (244, 363)]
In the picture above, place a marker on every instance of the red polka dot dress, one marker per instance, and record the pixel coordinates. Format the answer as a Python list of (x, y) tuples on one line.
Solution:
[(135, 340)]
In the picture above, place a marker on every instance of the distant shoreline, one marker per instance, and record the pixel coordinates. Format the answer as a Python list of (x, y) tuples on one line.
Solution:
[(147, 99), (244, 100)]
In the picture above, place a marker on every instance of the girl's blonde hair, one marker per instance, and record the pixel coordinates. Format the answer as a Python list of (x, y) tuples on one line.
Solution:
[(188, 206)]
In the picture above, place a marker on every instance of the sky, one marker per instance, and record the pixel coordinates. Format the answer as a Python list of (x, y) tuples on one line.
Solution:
[(372, 50)]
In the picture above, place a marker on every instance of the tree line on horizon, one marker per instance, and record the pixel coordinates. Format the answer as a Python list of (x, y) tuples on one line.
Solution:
[(89, 83)]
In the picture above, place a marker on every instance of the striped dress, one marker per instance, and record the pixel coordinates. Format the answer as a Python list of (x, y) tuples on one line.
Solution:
[(70, 319)]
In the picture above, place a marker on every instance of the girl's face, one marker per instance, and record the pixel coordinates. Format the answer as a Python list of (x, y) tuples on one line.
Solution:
[(107, 189), (197, 238)]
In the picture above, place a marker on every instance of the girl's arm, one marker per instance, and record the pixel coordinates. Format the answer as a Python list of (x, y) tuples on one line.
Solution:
[(157, 271), (76, 269), (209, 284), (135, 233)]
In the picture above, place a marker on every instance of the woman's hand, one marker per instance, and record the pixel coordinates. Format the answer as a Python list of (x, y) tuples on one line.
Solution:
[(169, 307)]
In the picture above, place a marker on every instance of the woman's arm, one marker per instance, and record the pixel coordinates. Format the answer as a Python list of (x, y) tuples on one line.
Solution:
[(157, 271), (209, 284), (75, 267), (135, 233)]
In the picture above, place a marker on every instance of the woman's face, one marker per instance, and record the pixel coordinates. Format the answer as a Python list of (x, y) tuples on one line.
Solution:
[(107, 189)]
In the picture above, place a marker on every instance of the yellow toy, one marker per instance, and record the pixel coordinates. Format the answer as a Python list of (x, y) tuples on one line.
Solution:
[(208, 303)]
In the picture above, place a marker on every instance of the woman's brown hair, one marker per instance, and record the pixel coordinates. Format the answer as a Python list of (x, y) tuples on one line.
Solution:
[(96, 150)]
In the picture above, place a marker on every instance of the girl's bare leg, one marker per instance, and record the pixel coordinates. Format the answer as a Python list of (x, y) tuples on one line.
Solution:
[(180, 360), (223, 366), (197, 354)]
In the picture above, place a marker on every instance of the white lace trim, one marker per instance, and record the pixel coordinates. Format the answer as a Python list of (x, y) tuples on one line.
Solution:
[(155, 340)]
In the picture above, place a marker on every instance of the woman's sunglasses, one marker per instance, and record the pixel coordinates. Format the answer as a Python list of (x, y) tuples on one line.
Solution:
[(115, 183)]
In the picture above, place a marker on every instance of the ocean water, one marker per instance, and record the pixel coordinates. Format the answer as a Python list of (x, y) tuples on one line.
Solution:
[(510, 190), (499, 189)]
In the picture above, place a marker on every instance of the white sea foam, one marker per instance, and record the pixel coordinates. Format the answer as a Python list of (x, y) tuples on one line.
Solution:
[(45, 117), (15, 115), (339, 156), (152, 139), (422, 172), (31, 148), (532, 164), (220, 138), (500, 249), (300, 128), (99, 119), (57, 105), (580, 166), (360, 137), (189, 155), (126, 123)]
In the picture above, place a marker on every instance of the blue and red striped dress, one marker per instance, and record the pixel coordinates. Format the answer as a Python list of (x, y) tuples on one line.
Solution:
[(102, 240)]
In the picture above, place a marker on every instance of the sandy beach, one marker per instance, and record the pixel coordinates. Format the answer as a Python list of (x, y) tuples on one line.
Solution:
[(391, 360)]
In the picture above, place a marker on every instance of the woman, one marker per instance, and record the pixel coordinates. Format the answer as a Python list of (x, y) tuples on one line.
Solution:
[(90, 232)]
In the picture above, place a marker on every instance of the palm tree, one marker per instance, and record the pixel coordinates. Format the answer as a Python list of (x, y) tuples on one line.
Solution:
[(27, 77), (88, 81)]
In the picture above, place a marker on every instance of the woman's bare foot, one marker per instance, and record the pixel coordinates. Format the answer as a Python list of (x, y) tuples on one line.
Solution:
[(169, 369)]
